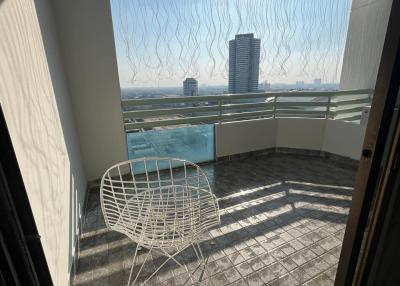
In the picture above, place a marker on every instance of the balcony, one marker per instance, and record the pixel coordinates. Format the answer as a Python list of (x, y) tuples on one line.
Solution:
[(282, 223), (282, 178), (281, 163), (225, 125)]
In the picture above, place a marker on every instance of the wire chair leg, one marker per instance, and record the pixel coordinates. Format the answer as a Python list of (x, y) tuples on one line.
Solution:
[(204, 262), (169, 257), (187, 270), (140, 269), (200, 261), (133, 264), (199, 255)]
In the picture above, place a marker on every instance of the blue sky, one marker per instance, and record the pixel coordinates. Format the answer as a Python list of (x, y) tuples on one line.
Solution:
[(159, 43)]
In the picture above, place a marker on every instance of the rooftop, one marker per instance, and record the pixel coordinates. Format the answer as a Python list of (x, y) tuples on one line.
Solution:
[(283, 218)]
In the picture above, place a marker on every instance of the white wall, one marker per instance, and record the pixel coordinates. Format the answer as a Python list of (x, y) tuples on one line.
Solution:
[(362, 55), (244, 136), (343, 138), (333, 136), (365, 38), (35, 100), (87, 45), (300, 133)]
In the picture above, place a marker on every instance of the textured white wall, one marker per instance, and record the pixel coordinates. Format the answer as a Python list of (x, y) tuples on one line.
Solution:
[(36, 103), (365, 38), (301, 133), (343, 138), (333, 136), (364, 44), (88, 50), (244, 136)]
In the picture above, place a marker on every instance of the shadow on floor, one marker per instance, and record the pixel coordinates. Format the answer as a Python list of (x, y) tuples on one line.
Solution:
[(282, 223)]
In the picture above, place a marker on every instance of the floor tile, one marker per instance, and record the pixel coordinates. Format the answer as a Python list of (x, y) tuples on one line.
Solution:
[(269, 234)]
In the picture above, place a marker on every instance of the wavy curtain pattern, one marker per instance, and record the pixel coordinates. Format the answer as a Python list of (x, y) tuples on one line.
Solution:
[(160, 40)]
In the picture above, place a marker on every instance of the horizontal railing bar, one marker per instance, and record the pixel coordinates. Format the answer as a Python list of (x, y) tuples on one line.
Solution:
[(350, 118), (303, 103), (188, 99), (189, 120), (299, 112), (168, 100), (354, 92), (349, 110), (198, 119), (179, 121), (169, 111), (187, 110), (350, 101), (322, 93), (246, 114), (247, 105), (294, 115)]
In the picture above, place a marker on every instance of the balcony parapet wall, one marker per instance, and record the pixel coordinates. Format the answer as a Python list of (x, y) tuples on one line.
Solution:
[(324, 135)]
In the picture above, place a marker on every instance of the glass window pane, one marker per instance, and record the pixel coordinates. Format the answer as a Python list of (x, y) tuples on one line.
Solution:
[(194, 143)]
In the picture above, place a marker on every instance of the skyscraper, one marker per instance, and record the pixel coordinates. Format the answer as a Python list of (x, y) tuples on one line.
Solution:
[(190, 87), (244, 63)]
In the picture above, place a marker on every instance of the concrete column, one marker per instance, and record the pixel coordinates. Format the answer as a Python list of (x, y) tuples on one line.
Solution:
[(88, 50), (364, 44)]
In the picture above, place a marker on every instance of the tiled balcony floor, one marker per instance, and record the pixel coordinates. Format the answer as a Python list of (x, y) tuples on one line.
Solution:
[(282, 223)]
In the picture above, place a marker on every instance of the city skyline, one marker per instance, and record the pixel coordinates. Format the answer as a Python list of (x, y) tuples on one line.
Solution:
[(161, 43), (204, 89), (311, 82)]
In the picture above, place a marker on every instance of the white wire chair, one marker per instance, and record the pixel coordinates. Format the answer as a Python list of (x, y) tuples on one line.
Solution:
[(162, 204)]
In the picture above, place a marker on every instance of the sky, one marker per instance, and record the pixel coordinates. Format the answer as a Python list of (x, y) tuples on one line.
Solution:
[(161, 42)]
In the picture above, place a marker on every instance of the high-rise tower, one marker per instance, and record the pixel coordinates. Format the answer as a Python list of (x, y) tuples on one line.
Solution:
[(244, 63), (190, 87)]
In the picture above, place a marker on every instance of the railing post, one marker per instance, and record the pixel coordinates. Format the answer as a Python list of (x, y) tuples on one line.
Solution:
[(274, 107), (328, 107), (220, 110)]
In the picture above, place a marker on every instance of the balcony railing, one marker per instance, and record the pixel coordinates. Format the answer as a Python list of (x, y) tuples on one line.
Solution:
[(147, 113)]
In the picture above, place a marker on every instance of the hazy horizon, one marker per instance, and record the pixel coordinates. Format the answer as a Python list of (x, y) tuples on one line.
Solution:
[(226, 85)]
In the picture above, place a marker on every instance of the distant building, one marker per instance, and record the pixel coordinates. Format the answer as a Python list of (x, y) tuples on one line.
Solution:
[(267, 85), (317, 81), (244, 62), (300, 84), (190, 87)]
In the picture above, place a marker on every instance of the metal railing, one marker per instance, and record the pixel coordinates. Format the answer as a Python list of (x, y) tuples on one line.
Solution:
[(147, 113)]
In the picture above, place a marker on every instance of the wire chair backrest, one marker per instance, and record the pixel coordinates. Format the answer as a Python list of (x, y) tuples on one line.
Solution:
[(157, 199)]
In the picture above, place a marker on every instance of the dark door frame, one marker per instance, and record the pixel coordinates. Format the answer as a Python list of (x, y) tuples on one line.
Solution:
[(378, 263), (22, 260), (372, 165)]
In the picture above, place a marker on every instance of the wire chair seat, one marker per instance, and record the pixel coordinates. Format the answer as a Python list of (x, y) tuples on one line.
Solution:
[(166, 217), (159, 203)]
